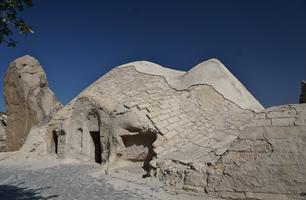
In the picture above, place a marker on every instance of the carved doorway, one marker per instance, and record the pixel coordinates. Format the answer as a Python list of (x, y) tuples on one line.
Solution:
[(95, 136), (93, 125), (55, 141)]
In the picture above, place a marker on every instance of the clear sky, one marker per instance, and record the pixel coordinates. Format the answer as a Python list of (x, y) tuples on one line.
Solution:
[(263, 43)]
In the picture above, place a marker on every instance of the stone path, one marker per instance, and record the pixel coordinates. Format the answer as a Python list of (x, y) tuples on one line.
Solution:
[(62, 182), (75, 182)]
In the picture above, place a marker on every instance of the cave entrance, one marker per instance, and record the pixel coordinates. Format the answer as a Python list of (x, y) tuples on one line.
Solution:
[(95, 136), (55, 141), (145, 140), (93, 125)]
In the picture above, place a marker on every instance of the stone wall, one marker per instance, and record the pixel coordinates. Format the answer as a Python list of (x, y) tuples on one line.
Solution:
[(266, 161)]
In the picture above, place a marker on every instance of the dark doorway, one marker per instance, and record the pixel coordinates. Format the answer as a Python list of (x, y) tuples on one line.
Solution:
[(145, 140), (55, 140), (95, 135)]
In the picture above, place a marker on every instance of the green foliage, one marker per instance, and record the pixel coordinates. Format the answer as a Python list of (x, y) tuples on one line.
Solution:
[(10, 20)]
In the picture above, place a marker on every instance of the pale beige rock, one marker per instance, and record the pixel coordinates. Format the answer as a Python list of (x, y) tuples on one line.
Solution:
[(28, 99), (140, 115), (191, 131), (266, 162), (211, 72)]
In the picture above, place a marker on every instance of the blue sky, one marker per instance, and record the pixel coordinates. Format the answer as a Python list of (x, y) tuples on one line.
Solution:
[(263, 43)]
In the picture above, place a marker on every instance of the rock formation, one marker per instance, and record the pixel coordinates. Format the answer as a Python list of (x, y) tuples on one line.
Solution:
[(267, 160), (28, 99), (140, 115), (3, 123), (199, 130), (303, 92)]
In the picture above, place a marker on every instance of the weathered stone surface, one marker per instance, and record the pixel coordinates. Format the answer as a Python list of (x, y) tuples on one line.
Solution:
[(303, 92), (267, 161), (140, 115), (28, 99), (3, 122), (187, 129), (211, 72)]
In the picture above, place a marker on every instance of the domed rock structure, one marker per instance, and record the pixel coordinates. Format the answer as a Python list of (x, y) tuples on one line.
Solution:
[(142, 114), (28, 100), (199, 130)]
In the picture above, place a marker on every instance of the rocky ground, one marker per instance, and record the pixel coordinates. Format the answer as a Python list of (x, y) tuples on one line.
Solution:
[(47, 179)]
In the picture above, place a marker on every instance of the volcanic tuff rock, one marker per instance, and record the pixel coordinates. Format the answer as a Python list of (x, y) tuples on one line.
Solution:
[(143, 110), (2, 132), (199, 130), (303, 92), (28, 99)]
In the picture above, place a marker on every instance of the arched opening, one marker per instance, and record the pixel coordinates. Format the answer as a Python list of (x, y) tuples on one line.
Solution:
[(55, 141), (94, 131)]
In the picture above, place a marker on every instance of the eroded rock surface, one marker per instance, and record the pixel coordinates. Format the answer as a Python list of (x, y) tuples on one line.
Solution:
[(140, 117), (3, 122), (187, 129), (303, 92), (28, 99), (267, 160)]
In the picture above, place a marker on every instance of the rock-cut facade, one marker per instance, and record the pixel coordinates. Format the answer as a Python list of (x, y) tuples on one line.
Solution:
[(200, 130)]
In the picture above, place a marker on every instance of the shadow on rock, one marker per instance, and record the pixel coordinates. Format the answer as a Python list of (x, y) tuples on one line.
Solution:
[(11, 192)]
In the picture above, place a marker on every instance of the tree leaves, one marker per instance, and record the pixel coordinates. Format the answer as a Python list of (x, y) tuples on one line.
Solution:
[(9, 20)]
